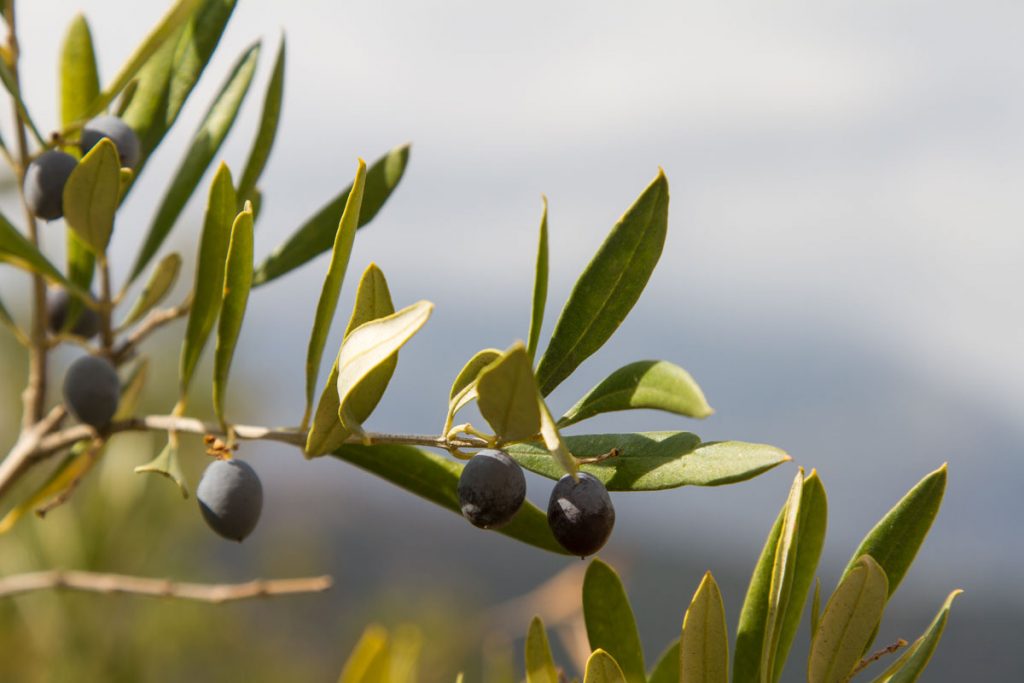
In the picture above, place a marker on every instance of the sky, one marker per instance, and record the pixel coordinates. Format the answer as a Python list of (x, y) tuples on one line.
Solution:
[(842, 273)]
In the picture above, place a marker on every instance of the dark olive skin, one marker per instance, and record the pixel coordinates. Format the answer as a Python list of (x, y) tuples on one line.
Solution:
[(230, 497), (86, 325), (45, 178), (491, 489), (123, 137), (92, 390), (580, 514)]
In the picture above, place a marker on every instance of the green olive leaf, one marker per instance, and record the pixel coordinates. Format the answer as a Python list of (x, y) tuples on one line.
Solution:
[(848, 623), (507, 395), (540, 665), (609, 286), (554, 442), (316, 235), (269, 119), (704, 643), (909, 667), (667, 668), (602, 668), (368, 662), (21, 253), (783, 569), (132, 391), (331, 289), (651, 461), (91, 196), (72, 468), (160, 282), (464, 387), (609, 619), (166, 464), (655, 384), (540, 286), (237, 281)]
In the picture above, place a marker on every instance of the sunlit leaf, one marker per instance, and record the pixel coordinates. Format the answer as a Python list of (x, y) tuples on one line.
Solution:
[(166, 464), (71, 469), (554, 442), (650, 461), (79, 77), (464, 387), (237, 281), (316, 235), (406, 645), (267, 131), (602, 668), (540, 666), (368, 662), (209, 280), (667, 668), (436, 478), (655, 384), (331, 289), (161, 280), (609, 286), (540, 286), (848, 623), (91, 195), (909, 667), (201, 151), (783, 569), (507, 395), (704, 644), (610, 622)]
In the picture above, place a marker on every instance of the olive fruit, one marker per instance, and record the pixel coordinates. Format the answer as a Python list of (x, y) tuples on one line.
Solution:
[(491, 489), (123, 137), (45, 178), (580, 514), (92, 390), (230, 497), (86, 325)]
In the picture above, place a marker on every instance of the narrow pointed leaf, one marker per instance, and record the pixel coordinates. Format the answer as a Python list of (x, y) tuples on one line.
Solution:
[(167, 464), (91, 195), (369, 346), (540, 286), (610, 622), (237, 281), (167, 28), (553, 441), (8, 321), (704, 644), (201, 151), (602, 668), (331, 289), (609, 286), (160, 282), (783, 568), (540, 666), (132, 391), (507, 395), (406, 647), (909, 667), (79, 77), (71, 469), (316, 235), (208, 292), (654, 384), (373, 301), (651, 461), (897, 537), (436, 478), (368, 662), (667, 668), (267, 131), (21, 253), (816, 605), (848, 623), (464, 387)]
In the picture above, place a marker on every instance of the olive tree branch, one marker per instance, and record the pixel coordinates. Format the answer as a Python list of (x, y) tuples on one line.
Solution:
[(25, 451), (92, 582), (150, 324)]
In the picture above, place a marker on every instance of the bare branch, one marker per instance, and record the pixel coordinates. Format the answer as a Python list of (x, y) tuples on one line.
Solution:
[(26, 449), (92, 582), (152, 322), (868, 661)]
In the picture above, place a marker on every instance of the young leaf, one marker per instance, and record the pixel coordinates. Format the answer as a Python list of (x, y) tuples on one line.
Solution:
[(267, 131), (540, 666), (132, 391), (909, 667), (436, 478), (895, 540), (91, 195), (667, 668), (464, 387), (704, 644), (609, 286), (369, 346), (602, 668), (609, 619), (237, 281), (651, 461), (167, 465), (848, 623), (21, 253), (653, 384), (783, 569), (161, 33), (368, 662), (161, 280), (201, 150), (373, 301), (79, 77), (554, 442), (316, 235), (208, 293), (540, 286), (507, 395), (331, 289)]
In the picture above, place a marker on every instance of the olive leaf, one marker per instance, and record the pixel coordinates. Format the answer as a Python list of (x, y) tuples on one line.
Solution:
[(540, 666), (368, 662), (160, 282), (166, 464), (909, 667), (540, 286), (667, 668), (610, 623), (91, 195), (237, 281), (464, 387), (602, 668), (507, 395), (269, 119), (21, 253), (704, 643)]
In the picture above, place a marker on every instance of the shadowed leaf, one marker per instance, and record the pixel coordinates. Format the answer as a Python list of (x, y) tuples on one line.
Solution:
[(610, 623), (167, 465), (602, 668), (507, 395), (704, 644), (267, 131), (667, 668), (909, 667), (91, 195), (540, 666)]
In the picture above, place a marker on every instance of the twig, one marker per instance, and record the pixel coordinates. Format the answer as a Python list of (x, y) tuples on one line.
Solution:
[(152, 322), (868, 661), (64, 495), (92, 582), (25, 451)]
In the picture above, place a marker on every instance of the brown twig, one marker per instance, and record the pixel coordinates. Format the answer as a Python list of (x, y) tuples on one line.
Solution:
[(92, 582), (25, 451), (150, 324), (868, 661)]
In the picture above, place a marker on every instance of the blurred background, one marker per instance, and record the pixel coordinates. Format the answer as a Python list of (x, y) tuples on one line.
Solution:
[(842, 277)]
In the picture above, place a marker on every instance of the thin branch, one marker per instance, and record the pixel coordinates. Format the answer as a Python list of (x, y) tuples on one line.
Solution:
[(92, 582), (26, 450), (868, 661), (150, 324)]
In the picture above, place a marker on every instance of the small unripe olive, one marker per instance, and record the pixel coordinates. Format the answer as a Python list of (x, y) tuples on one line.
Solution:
[(92, 390), (230, 497), (491, 489), (123, 137), (87, 324), (580, 514), (45, 178)]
